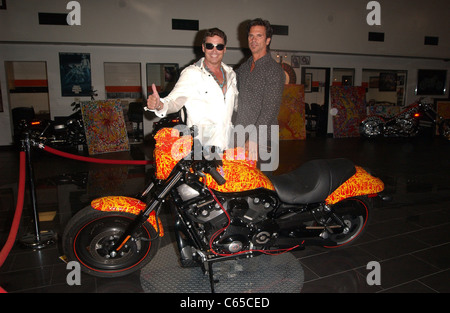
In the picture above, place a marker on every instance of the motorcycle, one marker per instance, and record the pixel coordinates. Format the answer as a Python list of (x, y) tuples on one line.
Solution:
[(63, 131), (171, 120), (224, 208), (408, 123)]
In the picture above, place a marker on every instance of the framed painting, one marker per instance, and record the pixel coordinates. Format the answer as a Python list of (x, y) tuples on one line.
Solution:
[(388, 82), (431, 82), (75, 71), (104, 126)]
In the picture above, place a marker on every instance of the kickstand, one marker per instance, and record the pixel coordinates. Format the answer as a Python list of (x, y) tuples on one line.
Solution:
[(211, 276)]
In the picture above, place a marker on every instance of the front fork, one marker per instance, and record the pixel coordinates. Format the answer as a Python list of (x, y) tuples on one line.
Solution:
[(142, 217)]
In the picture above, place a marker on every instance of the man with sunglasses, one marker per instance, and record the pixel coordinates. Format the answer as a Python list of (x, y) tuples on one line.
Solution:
[(260, 82), (208, 91)]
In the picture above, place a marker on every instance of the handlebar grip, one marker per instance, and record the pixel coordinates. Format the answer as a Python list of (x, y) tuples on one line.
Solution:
[(217, 177)]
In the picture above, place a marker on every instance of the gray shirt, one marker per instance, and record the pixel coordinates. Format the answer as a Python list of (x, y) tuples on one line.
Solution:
[(260, 93)]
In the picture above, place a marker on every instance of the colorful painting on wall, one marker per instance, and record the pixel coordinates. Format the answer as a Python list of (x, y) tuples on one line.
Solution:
[(443, 109), (291, 118), (105, 127), (351, 110), (384, 110)]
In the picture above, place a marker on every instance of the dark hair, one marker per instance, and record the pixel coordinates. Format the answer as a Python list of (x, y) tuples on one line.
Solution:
[(261, 22), (215, 32)]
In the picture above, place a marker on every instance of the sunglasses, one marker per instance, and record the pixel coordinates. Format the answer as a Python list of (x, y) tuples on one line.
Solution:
[(211, 46)]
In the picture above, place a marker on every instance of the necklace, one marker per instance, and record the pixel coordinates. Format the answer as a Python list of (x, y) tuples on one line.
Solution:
[(224, 81)]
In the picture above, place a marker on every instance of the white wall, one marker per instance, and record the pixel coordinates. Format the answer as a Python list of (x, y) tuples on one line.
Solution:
[(60, 106), (314, 25), (333, 33)]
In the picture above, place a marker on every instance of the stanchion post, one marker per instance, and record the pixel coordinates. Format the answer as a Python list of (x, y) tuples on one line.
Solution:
[(38, 239)]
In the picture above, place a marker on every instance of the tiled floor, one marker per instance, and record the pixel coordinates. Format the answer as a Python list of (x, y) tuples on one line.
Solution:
[(408, 237)]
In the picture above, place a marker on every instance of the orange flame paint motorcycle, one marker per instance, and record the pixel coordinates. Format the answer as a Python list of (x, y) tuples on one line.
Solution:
[(224, 209)]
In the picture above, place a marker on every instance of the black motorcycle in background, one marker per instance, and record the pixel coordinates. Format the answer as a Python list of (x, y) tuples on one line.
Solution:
[(66, 131), (415, 118)]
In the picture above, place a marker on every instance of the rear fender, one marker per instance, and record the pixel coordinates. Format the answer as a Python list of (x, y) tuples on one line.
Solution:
[(128, 205), (360, 184)]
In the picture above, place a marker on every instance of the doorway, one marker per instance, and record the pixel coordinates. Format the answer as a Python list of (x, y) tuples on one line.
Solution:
[(27, 85), (317, 94)]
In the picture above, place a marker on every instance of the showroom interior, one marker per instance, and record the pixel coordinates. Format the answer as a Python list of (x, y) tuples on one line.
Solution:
[(343, 61)]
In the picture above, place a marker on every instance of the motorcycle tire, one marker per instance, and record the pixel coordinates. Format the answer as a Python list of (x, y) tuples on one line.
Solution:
[(355, 214), (90, 232), (370, 128)]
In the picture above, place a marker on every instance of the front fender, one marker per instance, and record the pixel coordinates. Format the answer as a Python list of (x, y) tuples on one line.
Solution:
[(128, 205)]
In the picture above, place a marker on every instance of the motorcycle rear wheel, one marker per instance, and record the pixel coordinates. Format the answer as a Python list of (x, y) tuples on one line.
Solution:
[(355, 214), (89, 234)]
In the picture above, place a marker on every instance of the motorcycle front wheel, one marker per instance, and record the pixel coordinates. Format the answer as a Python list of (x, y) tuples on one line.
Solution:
[(370, 128), (90, 233), (354, 212)]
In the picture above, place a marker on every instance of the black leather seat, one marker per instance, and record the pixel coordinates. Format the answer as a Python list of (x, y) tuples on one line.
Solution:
[(314, 181)]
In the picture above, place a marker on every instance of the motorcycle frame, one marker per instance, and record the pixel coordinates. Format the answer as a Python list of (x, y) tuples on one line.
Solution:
[(186, 234), (157, 192)]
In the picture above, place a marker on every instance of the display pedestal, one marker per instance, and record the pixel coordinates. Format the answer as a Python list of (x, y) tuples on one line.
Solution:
[(262, 274)]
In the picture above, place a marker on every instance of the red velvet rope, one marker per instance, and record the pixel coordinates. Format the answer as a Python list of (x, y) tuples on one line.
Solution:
[(21, 193), (94, 160), (17, 215)]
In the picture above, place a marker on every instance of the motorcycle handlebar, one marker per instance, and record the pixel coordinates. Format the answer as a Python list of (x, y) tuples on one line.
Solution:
[(209, 164), (216, 176)]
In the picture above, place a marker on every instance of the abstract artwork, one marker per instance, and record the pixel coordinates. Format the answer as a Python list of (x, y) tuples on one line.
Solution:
[(105, 127), (384, 110), (443, 107), (291, 117), (351, 110)]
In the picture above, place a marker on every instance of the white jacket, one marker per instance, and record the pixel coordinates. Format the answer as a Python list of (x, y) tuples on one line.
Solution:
[(206, 105)]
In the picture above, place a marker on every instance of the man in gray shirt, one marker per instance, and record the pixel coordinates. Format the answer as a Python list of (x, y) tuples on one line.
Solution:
[(260, 82)]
